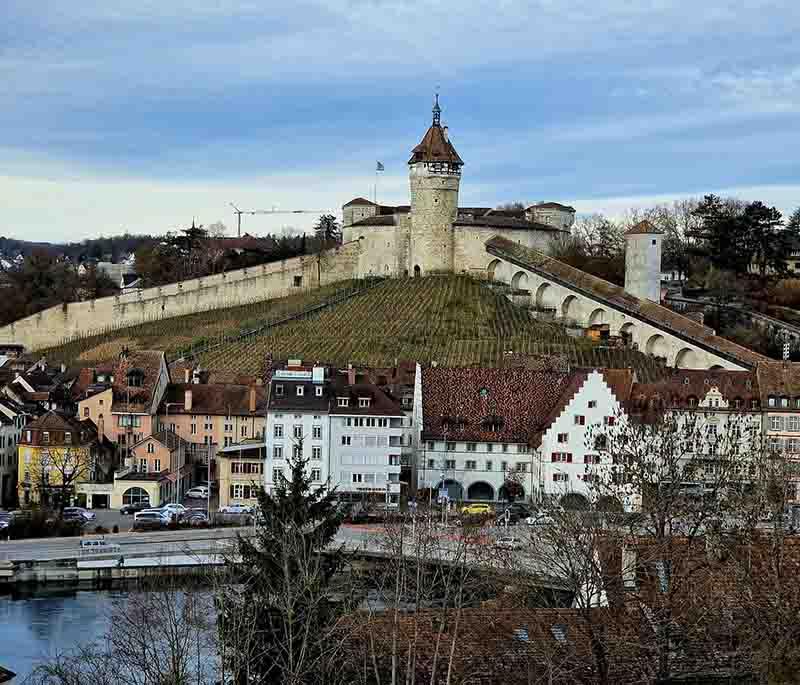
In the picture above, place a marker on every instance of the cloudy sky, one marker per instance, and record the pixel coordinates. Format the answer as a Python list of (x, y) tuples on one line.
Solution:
[(138, 115)]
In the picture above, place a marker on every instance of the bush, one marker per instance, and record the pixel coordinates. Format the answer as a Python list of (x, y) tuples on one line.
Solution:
[(101, 530), (115, 529)]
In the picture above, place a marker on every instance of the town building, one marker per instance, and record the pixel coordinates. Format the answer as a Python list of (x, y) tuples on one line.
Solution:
[(241, 472), (349, 429), (13, 418), (58, 455)]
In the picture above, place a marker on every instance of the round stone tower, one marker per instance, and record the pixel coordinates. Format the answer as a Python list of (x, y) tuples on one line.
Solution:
[(434, 175), (643, 261)]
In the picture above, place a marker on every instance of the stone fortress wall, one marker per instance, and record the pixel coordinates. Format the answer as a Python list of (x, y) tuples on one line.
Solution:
[(263, 282)]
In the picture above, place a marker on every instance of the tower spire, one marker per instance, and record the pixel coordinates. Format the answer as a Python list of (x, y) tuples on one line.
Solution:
[(437, 111)]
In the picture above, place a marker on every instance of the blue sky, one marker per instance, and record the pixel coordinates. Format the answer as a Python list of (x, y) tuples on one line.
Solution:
[(141, 114)]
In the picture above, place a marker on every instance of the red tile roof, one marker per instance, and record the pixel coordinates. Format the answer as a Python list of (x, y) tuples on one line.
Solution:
[(778, 379), (643, 228), (681, 385), (218, 399), (434, 147)]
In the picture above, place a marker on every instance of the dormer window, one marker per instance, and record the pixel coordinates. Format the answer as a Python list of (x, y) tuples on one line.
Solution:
[(784, 402), (67, 438), (772, 401), (342, 402), (279, 390), (363, 402), (300, 390), (135, 378), (45, 436), (318, 391)]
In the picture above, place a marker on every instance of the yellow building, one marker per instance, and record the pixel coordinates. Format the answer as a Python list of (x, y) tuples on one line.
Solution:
[(56, 455), (241, 473)]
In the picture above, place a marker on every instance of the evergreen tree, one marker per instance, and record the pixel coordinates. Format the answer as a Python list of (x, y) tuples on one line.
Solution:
[(278, 625)]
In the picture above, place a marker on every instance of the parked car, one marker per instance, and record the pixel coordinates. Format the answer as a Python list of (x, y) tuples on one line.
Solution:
[(150, 519), (127, 509), (508, 542), (78, 512), (540, 520), (6, 519), (196, 517), (98, 546), (236, 509), (175, 511), (198, 492), (476, 509)]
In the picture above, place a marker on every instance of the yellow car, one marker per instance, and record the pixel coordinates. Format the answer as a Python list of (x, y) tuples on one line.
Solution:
[(476, 509)]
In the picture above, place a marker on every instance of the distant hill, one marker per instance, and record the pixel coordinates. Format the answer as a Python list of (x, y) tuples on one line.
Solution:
[(452, 320)]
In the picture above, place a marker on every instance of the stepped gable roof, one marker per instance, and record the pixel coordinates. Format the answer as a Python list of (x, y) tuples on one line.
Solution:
[(218, 399), (552, 205), (778, 379), (379, 220), (615, 296), (434, 147), (683, 384), (489, 405), (643, 228), (358, 201)]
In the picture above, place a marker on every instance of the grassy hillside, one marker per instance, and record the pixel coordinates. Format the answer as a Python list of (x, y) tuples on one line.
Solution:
[(449, 319)]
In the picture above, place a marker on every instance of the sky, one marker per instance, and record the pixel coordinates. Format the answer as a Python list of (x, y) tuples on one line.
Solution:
[(141, 115)]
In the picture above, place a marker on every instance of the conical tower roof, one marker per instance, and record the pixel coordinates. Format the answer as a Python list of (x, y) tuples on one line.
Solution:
[(435, 145)]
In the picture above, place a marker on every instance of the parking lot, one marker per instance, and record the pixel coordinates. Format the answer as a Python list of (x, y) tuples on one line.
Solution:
[(108, 518)]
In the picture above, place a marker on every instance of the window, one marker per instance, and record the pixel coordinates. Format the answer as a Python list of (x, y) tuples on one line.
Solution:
[(45, 436), (776, 423), (318, 391), (580, 420), (560, 477), (363, 402), (431, 463), (793, 423), (471, 447), (346, 440), (297, 451), (300, 390), (489, 447), (279, 390), (591, 459), (504, 466), (505, 448), (316, 432), (277, 474), (522, 449), (771, 401), (470, 465), (565, 457), (384, 423), (450, 464), (522, 467), (86, 411), (67, 438), (227, 441), (316, 475), (489, 465), (278, 430), (431, 444), (297, 432), (243, 431), (193, 429), (610, 420), (792, 445), (563, 437), (357, 478), (151, 448), (784, 401), (316, 453), (143, 465), (157, 465), (394, 460), (297, 281), (342, 401), (592, 404), (450, 446)]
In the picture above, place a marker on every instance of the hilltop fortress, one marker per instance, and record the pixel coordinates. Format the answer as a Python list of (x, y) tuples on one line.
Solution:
[(431, 235)]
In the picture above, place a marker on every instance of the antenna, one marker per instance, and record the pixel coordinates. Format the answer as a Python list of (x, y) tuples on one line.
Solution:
[(253, 212)]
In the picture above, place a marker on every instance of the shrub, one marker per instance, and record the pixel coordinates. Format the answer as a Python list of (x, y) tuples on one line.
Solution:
[(101, 530), (115, 529)]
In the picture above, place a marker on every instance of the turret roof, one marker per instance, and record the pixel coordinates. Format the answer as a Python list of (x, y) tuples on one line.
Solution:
[(435, 145), (643, 228)]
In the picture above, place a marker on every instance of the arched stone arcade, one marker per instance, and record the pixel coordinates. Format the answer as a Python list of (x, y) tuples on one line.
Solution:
[(686, 359), (519, 281), (656, 346), (543, 296), (569, 307), (491, 270), (480, 491)]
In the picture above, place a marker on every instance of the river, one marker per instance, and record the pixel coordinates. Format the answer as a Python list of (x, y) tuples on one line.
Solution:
[(36, 628)]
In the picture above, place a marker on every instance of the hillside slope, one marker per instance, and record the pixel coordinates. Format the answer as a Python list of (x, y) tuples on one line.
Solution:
[(452, 320)]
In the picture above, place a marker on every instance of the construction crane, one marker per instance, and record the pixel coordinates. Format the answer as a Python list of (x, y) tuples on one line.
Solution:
[(238, 212)]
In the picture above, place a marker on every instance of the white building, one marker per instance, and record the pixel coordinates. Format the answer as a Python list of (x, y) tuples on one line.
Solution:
[(12, 420), (349, 429)]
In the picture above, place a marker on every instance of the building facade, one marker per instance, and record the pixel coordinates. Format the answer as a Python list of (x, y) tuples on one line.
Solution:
[(13, 418)]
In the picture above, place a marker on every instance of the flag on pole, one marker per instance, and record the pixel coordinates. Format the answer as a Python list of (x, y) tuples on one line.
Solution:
[(378, 166)]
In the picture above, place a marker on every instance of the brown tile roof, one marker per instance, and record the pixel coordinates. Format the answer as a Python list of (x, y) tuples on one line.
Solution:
[(358, 201), (518, 401), (385, 220), (615, 296), (434, 147), (499, 221), (778, 379), (644, 227), (218, 399), (380, 403), (676, 389), (552, 205), (137, 398), (53, 421)]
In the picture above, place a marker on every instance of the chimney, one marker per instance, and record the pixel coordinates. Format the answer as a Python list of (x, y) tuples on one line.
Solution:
[(252, 399), (351, 375), (187, 375), (187, 400)]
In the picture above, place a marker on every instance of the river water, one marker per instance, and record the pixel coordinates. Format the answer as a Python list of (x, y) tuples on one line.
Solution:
[(35, 629)]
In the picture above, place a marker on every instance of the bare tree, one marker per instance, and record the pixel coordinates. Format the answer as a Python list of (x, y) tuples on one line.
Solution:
[(61, 469)]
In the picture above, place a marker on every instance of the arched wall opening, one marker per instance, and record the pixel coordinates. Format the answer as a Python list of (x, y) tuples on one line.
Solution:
[(417, 271), (656, 346), (543, 296), (491, 270), (520, 281), (598, 316), (569, 307), (686, 359), (480, 491)]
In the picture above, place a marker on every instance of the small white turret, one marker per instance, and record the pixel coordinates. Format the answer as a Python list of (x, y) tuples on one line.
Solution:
[(643, 261)]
